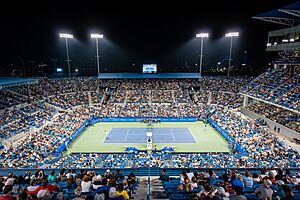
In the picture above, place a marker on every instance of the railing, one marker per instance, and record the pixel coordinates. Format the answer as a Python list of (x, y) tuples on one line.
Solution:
[(148, 187), (142, 171)]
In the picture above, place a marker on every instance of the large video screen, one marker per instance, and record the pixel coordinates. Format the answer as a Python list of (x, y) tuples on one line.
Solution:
[(59, 69), (149, 68)]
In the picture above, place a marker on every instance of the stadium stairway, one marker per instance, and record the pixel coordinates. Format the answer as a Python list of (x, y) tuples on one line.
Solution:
[(173, 97), (156, 189), (25, 97), (141, 192)]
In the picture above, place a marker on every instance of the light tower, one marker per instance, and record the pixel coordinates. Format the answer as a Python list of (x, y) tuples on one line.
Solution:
[(230, 35), (201, 36), (97, 37), (67, 36)]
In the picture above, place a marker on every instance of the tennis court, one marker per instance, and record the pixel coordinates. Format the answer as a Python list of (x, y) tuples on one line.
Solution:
[(159, 135), (113, 136)]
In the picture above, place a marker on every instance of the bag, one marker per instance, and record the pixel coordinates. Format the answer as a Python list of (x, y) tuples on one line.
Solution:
[(112, 192)]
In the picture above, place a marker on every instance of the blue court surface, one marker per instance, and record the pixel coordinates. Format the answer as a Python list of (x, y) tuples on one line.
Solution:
[(159, 135)]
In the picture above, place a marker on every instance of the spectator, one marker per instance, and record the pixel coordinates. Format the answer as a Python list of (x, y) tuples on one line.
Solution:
[(226, 184), (119, 175), (52, 177), (265, 190), (78, 192), (280, 192), (32, 187), (71, 184), (103, 188), (235, 181), (23, 195), (7, 193), (238, 194), (163, 177), (221, 194), (43, 195), (97, 181), (86, 184), (207, 193), (122, 192), (247, 179), (288, 193)]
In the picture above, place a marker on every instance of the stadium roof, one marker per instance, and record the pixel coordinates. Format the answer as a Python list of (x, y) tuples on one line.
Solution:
[(151, 76), (292, 9), (288, 15), (12, 81)]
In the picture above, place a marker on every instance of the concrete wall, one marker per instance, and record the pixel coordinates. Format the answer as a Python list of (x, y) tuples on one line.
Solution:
[(283, 130)]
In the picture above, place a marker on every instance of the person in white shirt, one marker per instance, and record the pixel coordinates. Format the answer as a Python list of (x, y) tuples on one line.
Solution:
[(86, 184)]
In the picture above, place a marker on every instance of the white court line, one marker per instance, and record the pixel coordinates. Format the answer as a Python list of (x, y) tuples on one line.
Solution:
[(126, 134), (106, 135), (172, 135), (192, 135)]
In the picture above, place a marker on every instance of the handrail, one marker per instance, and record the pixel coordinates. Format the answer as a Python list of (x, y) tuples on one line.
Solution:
[(142, 171), (148, 187)]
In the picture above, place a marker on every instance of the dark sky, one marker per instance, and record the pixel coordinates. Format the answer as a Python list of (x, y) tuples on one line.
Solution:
[(161, 32)]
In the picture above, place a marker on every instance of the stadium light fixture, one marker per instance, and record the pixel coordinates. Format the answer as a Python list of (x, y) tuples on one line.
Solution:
[(97, 37), (230, 35), (67, 36), (202, 36)]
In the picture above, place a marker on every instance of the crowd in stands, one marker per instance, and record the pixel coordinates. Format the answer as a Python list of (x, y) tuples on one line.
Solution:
[(66, 105), (285, 117), (278, 86), (162, 96), (222, 83), (68, 184), (37, 148), (263, 147), (267, 184), (8, 99), (233, 100), (14, 121)]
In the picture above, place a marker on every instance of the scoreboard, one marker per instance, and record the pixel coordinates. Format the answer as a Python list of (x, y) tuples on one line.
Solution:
[(149, 68)]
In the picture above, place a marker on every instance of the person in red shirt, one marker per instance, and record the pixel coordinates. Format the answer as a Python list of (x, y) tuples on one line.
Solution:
[(226, 184), (6, 193), (49, 187)]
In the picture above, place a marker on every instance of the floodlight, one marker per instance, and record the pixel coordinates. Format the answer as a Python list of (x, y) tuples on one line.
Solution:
[(96, 35), (232, 34), (202, 35), (65, 35)]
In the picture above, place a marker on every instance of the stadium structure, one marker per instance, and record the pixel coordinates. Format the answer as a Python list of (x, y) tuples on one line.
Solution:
[(157, 136)]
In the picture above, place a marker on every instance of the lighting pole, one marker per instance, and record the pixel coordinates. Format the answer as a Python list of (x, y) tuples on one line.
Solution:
[(202, 36), (67, 36), (97, 37), (230, 35)]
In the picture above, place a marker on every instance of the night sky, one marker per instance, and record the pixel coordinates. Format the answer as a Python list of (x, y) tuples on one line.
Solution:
[(135, 33)]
